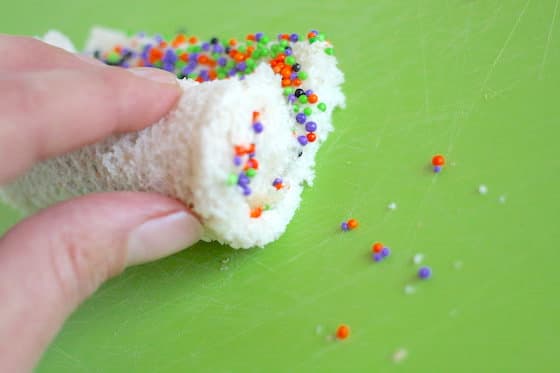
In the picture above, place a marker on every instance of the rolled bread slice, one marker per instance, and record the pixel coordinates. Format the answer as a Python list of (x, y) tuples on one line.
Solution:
[(233, 150)]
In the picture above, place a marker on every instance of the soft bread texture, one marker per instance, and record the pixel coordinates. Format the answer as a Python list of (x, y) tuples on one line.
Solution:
[(188, 154)]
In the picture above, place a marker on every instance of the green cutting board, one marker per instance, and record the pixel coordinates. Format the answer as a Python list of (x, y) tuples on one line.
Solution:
[(478, 81)]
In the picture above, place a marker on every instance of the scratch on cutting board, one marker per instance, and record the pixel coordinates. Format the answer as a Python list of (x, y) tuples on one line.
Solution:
[(549, 37)]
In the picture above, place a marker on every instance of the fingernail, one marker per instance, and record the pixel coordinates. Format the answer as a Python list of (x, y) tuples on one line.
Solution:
[(156, 75), (88, 59), (162, 236)]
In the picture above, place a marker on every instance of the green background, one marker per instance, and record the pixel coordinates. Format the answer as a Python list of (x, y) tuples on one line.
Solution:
[(478, 81)]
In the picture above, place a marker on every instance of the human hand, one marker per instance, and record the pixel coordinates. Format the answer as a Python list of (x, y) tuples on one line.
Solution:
[(54, 102)]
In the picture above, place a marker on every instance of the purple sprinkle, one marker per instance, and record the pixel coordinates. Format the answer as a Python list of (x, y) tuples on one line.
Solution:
[(308, 92), (204, 74), (158, 38), (232, 72), (385, 252), (288, 51), (193, 57), (170, 56), (293, 76), (315, 31), (168, 66), (218, 48), (276, 181), (188, 69), (241, 66), (146, 48), (311, 126), (237, 160), (251, 155), (377, 257), (243, 179), (294, 37), (425, 273), (437, 169), (279, 36), (292, 99), (125, 65), (242, 77), (246, 190), (258, 36), (205, 46), (301, 118), (222, 61), (258, 127), (302, 140), (344, 226)]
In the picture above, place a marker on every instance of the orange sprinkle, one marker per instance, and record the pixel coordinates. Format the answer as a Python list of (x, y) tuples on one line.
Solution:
[(285, 36), (286, 72), (199, 79), (273, 63), (251, 149), (278, 186), (163, 44), (311, 137), (256, 212), (184, 57), (277, 69), (251, 37), (155, 55), (253, 163), (312, 98), (250, 49), (203, 59), (352, 224), (239, 57), (193, 40), (256, 115), (286, 82), (377, 247), (232, 42), (179, 39), (212, 63), (311, 35), (342, 332), (296, 82), (281, 57), (212, 74), (239, 150), (117, 49)]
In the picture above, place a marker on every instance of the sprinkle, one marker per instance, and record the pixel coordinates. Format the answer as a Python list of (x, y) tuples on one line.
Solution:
[(482, 189), (251, 172), (329, 51), (302, 99), (311, 137), (296, 67), (352, 224), (301, 118), (308, 111), (322, 106), (344, 226), (310, 126), (232, 179), (299, 92), (392, 206), (425, 273), (385, 252), (417, 258), (377, 257), (377, 247), (302, 75), (258, 127), (302, 140), (342, 332), (438, 160), (246, 190), (256, 212), (437, 169)]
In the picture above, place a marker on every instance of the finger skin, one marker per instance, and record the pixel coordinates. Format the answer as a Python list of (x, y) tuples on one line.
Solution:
[(51, 262)]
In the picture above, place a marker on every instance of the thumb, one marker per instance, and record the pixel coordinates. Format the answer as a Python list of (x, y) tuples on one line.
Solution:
[(51, 262)]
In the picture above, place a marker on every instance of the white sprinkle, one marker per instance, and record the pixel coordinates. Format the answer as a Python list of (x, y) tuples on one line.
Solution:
[(417, 258), (502, 199), (392, 206), (409, 289), (319, 329), (400, 355), (458, 264), (225, 260), (482, 189)]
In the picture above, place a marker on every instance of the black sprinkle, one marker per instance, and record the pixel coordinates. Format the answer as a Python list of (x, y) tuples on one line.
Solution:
[(299, 92), (296, 67), (227, 50), (300, 154), (117, 63), (214, 41), (96, 54), (127, 55)]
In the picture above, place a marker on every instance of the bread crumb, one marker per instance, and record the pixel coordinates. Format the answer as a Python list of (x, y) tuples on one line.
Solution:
[(400, 355), (392, 206), (417, 258), (482, 189)]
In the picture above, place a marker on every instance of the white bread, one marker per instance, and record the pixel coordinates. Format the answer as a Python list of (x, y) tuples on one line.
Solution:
[(188, 154)]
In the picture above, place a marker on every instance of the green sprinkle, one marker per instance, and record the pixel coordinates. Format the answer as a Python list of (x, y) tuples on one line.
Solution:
[(216, 55), (180, 51), (251, 172), (230, 64), (256, 54), (158, 64), (232, 179), (113, 58), (302, 75), (249, 69), (322, 106), (290, 60), (321, 37), (274, 48), (284, 43), (263, 51), (266, 207), (264, 40), (302, 99), (312, 40), (307, 111), (250, 62), (288, 91), (180, 64), (296, 108), (221, 76), (329, 51), (242, 48), (192, 76)]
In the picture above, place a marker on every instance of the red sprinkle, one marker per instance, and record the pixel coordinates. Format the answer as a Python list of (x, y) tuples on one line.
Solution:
[(342, 332), (438, 160), (352, 224)]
